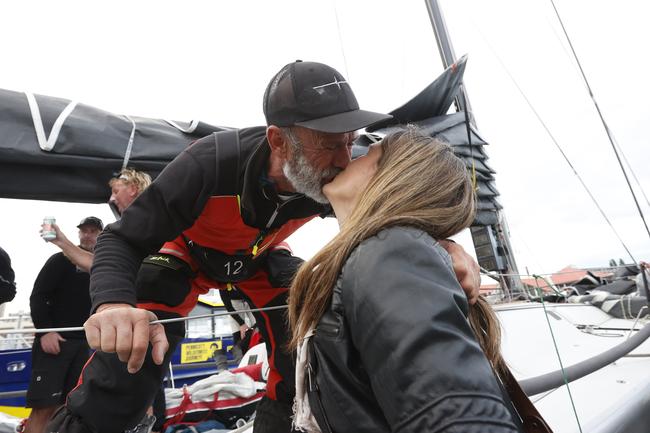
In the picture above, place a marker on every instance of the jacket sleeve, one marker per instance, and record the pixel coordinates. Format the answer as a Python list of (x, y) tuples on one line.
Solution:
[(407, 318), (162, 212), (42, 297), (7, 277), (7, 290)]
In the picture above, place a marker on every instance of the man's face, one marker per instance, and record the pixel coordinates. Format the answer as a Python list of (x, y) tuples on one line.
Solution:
[(88, 236), (122, 195), (315, 158), (348, 186)]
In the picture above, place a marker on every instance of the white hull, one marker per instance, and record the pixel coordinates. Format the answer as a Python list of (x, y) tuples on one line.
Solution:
[(615, 398)]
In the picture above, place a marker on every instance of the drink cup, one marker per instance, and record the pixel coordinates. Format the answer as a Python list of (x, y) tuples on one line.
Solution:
[(48, 233)]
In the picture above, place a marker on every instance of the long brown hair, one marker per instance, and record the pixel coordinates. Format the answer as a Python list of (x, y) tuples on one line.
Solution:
[(419, 183)]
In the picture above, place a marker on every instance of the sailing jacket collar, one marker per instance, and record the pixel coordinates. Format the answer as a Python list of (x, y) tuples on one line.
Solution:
[(260, 205)]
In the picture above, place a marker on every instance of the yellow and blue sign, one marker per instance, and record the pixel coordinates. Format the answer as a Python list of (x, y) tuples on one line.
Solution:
[(201, 351)]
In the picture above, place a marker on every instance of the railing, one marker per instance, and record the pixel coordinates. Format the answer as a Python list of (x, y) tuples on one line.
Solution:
[(531, 386), (555, 379)]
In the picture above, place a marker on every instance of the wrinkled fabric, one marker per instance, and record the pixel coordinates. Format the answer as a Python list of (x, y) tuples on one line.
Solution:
[(303, 418), (395, 351)]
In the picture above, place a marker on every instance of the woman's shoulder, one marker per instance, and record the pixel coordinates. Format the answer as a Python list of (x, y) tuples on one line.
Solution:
[(397, 262), (401, 234), (397, 237), (406, 244)]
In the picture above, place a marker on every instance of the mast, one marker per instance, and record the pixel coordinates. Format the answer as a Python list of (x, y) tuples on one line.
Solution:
[(446, 50), (491, 242)]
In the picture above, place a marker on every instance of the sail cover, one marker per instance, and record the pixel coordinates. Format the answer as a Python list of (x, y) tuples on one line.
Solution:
[(434, 100), (428, 110), (56, 149)]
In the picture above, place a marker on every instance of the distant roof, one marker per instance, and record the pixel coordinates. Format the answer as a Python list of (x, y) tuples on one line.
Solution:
[(568, 275)]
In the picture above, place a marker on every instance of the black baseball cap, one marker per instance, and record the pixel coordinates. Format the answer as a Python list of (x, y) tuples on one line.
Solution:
[(315, 96), (91, 221)]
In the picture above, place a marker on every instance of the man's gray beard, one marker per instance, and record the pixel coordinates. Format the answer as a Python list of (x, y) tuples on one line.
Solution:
[(305, 179)]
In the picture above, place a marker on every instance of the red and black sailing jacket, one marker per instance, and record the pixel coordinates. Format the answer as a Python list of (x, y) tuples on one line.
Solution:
[(235, 212), (186, 198)]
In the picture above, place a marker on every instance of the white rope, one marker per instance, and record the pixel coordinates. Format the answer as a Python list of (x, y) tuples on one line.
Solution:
[(190, 129), (44, 142), (177, 319), (129, 146)]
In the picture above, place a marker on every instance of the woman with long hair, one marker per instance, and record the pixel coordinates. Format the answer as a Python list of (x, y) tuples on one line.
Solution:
[(380, 322)]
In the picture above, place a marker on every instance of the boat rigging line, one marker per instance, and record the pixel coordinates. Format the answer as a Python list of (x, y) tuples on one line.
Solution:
[(494, 275), (338, 30), (629, 167), (557, 144), (564, 376), (610, 135), (155, 322)]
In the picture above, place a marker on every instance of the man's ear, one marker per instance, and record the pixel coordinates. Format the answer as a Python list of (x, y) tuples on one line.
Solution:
[(133, 190), (276, 141)]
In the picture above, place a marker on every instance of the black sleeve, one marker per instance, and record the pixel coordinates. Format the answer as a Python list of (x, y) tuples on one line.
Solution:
[(7, 277), (407, 319), (42, 297), (281, 266), (7, 291), (163, 211)]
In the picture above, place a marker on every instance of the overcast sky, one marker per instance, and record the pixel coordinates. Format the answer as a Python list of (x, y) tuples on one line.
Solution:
[(212, 60)]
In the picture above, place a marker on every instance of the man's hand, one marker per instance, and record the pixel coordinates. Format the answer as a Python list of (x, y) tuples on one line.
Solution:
[(50, 343), (81, 258), (60, 238), (467, 270), (125, 330), (242, 330)]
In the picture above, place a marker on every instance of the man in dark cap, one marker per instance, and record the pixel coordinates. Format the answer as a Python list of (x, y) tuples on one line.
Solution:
[(60, 299), (217, 216)]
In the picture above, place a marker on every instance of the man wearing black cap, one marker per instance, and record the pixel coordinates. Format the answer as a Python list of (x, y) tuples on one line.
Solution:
[(217, 216), (60, 299)]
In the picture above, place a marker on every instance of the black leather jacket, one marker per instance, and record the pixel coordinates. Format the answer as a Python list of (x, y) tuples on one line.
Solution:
[(395, 352)]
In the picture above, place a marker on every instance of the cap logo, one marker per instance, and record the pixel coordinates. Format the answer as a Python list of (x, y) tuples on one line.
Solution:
[(336, 82), (315, 96)]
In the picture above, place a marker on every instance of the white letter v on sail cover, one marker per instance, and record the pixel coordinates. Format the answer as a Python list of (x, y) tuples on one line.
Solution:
[(47, 143)]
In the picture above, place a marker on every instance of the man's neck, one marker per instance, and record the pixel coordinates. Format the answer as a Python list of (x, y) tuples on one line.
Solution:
[(276, 175)]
